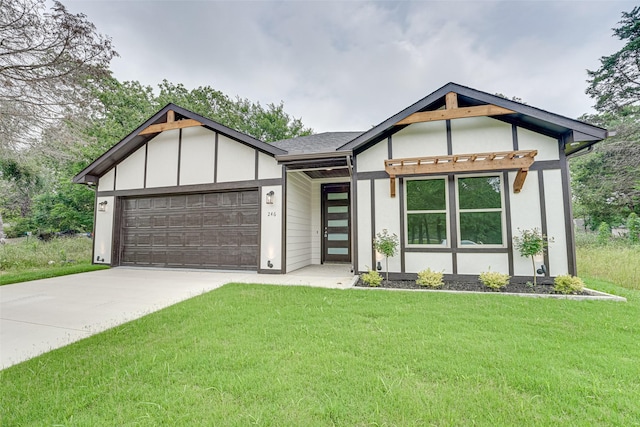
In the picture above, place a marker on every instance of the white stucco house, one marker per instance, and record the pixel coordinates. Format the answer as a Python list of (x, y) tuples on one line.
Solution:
[(454, 175)]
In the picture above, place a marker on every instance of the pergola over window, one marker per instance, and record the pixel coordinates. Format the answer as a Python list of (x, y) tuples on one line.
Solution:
[(475, 162)]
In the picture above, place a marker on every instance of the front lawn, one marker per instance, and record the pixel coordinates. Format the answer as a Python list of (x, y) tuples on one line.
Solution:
[(281, 355)]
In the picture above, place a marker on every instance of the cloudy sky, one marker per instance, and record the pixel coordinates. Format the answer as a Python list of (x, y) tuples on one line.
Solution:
[(349, 65)]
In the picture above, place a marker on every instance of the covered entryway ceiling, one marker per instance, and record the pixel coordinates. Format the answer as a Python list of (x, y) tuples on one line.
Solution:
[(209, 230)]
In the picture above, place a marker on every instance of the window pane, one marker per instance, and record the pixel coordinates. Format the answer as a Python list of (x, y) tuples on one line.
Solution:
[(479, 192), (481, 228), (338, 251), (337, 196), (338, 223), (337, 236), (426, 228), (338, 209), (426, 195)]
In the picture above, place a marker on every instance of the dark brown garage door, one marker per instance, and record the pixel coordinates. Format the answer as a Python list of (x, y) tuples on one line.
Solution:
[(214, 230)]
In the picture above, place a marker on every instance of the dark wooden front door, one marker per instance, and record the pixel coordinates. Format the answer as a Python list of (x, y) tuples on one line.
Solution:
[(336, 219)]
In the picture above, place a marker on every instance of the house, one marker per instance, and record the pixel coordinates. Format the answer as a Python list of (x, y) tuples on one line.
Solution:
[(454, 175)]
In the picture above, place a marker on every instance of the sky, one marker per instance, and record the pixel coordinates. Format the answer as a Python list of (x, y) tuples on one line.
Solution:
[(349, 65)]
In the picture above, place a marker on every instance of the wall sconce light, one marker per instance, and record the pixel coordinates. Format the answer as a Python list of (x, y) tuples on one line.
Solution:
[(379, 266), (269, 264), (542, 270), (98, 259), (271, 197), (102, 206)]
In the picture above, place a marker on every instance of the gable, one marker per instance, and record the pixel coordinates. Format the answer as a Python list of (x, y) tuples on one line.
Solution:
[(170, 120)]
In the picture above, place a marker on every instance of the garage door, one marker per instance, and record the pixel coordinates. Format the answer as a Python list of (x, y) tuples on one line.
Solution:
[(213, 230)]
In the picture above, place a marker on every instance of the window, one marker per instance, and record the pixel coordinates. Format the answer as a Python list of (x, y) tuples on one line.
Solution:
[(426, 212), (480, 210)]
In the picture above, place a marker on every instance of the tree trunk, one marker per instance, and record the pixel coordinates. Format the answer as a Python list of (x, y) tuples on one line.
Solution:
[(1, 227), (533, 262)]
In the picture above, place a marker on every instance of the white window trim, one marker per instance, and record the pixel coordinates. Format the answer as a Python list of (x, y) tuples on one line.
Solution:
[(501, 210), (445, 211)]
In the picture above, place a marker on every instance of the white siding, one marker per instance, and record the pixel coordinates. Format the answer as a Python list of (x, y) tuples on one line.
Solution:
[(554, 204), (268, 167), (470, 263), (437, 261), (298, 221), (162, 160), (271, 229), (480, 135), (236, 161), (548, 148), (373, 158), (420, 139), (364, 225), (130, 172), (107, 181), (525, 215), (197, 156), (387, 215), (103, 232)]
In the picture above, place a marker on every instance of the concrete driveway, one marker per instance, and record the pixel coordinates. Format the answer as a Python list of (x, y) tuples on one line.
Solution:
[(39, 316)]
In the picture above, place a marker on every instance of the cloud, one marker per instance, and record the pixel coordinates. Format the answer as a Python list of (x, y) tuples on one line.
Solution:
[(350, 65)]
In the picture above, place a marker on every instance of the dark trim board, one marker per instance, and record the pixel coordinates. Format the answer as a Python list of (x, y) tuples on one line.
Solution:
[(373, 221), (457, 250), (507, 218), (354, 216), (402, 231), (195, 188), (543, 217), (283, 233), (568, 213)]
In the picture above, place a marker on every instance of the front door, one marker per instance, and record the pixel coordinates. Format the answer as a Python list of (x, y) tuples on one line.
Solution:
[(336, 220)]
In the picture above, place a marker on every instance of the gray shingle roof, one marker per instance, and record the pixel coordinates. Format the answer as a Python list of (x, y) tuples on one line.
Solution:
[(325, 142)]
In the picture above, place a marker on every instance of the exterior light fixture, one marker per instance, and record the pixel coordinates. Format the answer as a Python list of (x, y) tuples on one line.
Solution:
[(269, 263), (379, 266), (102, 206), (270, 197), (542, 270)]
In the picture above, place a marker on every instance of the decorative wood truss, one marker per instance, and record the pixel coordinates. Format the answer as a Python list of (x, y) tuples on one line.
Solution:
[(452, 111), (171, 123), (520, 160)]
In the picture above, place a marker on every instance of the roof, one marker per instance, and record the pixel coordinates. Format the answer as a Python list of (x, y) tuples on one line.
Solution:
[(318, 143), (134, 140), (580, 134)]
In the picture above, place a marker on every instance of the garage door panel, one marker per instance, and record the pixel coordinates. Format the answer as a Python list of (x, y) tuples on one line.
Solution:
[(213, 230)]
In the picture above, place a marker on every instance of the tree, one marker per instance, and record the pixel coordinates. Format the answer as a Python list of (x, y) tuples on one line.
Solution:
[(387, 245), (606, 183), (46, 59), (616, 83), (530, 243)]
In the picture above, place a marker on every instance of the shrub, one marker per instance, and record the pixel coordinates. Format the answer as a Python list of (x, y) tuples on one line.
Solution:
[(371, 278), (604, 233), (430, 278), (633, 225), (494, 280), (567, 284)]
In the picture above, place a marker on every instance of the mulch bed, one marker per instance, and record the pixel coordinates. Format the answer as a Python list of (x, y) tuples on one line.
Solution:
[(519, 288)]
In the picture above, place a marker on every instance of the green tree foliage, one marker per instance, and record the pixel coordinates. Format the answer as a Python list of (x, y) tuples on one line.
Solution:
[(387, 245), (606, 184), (633, 225), (530, 243), (616, 83)]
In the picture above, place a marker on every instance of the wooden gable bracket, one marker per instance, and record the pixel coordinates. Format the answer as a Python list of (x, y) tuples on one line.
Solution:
[(499, 160), (452, 111), (170, 124)]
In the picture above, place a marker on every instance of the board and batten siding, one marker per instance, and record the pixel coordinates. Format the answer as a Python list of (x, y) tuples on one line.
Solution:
[(192, 157), (534, 207), (298, 221)]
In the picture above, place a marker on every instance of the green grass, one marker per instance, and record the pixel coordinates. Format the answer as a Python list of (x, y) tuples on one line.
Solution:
[(616, 263), (47, 272), (272, 355), (33, 259)]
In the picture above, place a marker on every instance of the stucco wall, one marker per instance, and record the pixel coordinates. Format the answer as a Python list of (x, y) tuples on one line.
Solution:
[(103, 235), (197, 156), (271, 229)]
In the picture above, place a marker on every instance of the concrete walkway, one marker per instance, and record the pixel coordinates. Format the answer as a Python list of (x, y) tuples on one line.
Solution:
[(39, 316)]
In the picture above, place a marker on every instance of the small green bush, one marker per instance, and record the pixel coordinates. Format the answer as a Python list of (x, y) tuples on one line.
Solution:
[(430, 278), (633, 225), (604, 233), (371, 278), (494, 280), (567, 284)]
